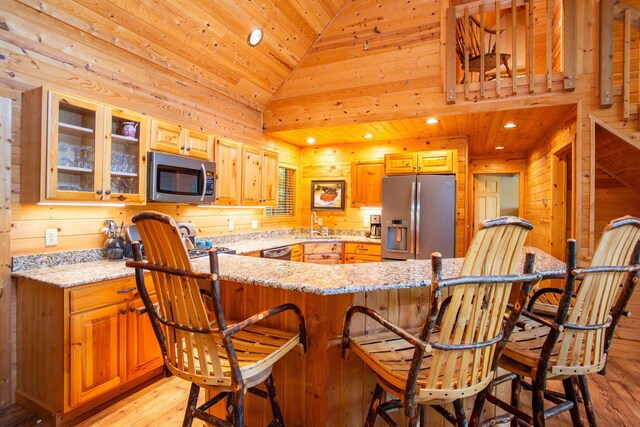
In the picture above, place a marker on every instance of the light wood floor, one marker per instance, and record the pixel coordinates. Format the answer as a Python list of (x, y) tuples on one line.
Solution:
[(615, 396)]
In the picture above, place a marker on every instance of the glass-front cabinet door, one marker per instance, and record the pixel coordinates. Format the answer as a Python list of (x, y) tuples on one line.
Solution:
[(125, 156), (76, 137)]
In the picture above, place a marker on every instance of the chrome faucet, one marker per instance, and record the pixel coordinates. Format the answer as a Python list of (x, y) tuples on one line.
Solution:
[(314, 220)]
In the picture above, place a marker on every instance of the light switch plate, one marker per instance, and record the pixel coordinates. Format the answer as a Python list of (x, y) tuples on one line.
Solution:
[(254, 223), (319, 221), (231, 225), (51, 237)]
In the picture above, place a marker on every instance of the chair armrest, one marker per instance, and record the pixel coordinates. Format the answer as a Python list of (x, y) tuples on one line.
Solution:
[(606, 269), (346, 331), (465, 280), (237, 327)]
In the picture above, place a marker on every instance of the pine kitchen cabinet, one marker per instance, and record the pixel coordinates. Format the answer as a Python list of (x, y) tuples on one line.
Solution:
[(323, 253), (81, 346), (259, 177), (361, 252), (366, 183), (228, 156), (174, 139), (81, 149), (423, 162)]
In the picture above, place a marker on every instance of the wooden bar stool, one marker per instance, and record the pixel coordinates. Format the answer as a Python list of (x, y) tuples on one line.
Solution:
[(222, 356), (453, 358), (575, 341)]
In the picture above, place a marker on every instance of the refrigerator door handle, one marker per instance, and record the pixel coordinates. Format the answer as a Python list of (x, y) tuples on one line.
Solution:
[(417, 210), (412, 234)]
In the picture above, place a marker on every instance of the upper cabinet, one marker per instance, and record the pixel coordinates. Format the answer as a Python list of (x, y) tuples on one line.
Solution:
[(259, 177), (423, 162), (174, 139), (228, 175), (83, 151), (366, 183)]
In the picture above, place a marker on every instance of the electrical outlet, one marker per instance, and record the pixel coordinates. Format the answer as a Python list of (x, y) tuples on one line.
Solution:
[(51, 237), (254, 223), (319, 221), (230, 225)]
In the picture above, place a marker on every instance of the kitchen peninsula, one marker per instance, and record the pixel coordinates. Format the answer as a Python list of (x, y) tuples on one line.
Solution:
[(317, 388)]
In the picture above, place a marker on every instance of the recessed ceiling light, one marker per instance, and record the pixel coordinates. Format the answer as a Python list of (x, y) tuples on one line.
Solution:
[(311, 140), (432, 121), (499, 147), (255, 37), (367, 135), (509, 125)]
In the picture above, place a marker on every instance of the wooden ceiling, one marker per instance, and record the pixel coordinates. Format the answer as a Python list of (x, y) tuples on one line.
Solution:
[(205, 41), (484, 130), (618, 159)]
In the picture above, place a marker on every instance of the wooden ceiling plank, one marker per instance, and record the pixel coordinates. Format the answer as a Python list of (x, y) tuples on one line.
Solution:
[(93, 23), (180, 31)]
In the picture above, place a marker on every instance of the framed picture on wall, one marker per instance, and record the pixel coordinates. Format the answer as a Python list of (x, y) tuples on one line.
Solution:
[(327, 195)]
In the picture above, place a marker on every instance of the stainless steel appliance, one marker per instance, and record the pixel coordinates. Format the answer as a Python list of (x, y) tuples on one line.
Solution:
[(375, 226), (180, 179), (418, 216)]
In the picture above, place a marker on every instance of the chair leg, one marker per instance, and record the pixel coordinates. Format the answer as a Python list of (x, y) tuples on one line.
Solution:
[(192, 404), (458, 407), (478, 405), (537, 403), (570, 393), (238, 408), (586, 398), (516, 387), (273, 400), (373, 407), (422, 419), (229, 407)]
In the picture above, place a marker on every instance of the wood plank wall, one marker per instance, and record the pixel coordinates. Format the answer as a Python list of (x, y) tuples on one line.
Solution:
[(538, 194), (334, 162)]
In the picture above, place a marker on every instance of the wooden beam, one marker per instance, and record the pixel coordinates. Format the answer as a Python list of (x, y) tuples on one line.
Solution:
[(6, 393), (570, 49), (467, 41), (451, 56), (530, 54), (548, 42), (514, 47), (482, 64), (497, 45), (606, 53), (618, 13), (626, 64), (474, 7)]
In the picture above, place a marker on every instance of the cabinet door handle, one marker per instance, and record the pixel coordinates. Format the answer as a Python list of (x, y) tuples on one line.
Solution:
[(188, 148), (99, 192), (125, 291), (107, 192), (123, 311), (182, 148), (132, 309)]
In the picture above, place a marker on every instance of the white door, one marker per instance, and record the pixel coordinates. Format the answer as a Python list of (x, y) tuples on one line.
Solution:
[(487, 199)]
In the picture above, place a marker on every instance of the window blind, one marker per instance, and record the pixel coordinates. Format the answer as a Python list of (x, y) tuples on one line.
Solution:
[(286, 193)]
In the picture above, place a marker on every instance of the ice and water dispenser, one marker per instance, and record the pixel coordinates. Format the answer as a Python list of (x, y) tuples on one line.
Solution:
[(397, 235)]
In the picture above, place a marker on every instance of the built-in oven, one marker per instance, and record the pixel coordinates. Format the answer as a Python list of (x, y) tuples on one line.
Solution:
[(180, 179)]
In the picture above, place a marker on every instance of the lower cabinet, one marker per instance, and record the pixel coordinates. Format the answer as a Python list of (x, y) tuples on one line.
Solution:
[(296, 252), (82, 346), (361, 252), (323, 253)]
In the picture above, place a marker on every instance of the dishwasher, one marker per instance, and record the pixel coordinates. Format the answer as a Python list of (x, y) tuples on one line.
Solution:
[(283, 252)]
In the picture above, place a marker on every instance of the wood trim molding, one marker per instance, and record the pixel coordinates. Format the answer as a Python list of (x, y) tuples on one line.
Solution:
[(6, 349)]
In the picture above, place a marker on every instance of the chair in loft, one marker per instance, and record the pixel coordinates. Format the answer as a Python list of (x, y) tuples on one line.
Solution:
[(210, 351), (454, 354), (576, 340), (475, 48)]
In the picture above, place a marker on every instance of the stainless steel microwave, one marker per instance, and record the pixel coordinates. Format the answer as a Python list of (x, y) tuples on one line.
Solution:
[(180, 179)]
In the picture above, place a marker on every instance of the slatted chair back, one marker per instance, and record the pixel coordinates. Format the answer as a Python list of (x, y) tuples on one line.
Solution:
[(187, 333), (583, 348), (473, 319)]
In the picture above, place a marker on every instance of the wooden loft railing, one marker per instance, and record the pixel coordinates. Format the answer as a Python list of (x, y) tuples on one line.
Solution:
[(610, 12), (542, 49)]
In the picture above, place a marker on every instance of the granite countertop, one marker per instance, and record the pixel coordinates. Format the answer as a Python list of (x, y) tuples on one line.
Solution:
[(304, 277)]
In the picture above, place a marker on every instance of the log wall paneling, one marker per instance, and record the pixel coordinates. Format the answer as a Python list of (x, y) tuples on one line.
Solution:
[(6, 336), (606, 52)]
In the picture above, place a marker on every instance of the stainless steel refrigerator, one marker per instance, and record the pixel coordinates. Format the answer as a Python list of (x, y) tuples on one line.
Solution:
[(418, 216)]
